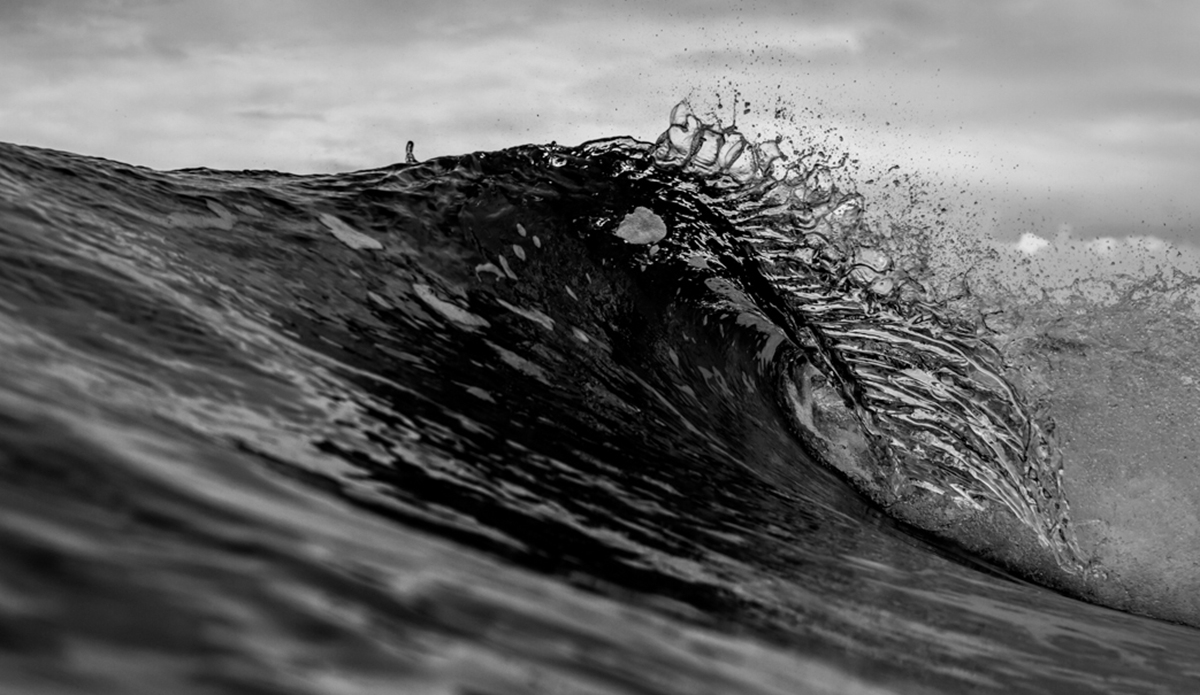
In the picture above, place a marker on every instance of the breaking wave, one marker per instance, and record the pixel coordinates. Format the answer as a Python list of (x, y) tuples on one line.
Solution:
[(623, 417)]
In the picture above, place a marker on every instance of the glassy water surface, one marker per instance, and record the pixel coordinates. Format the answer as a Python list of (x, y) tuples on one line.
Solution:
[(624, 417)]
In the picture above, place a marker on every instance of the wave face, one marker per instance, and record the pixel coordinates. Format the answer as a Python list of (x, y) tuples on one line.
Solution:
[(622, 417)]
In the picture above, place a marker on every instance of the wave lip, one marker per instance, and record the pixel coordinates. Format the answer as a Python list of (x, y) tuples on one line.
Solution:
[(926, 392)]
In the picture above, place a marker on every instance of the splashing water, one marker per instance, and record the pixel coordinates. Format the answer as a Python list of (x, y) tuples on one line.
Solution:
[(927, 390)]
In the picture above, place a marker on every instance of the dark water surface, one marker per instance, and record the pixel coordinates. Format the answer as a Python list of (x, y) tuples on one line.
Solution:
[(560, 420)]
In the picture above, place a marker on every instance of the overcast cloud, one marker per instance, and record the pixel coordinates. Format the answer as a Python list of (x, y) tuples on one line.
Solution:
[(1085, 114)]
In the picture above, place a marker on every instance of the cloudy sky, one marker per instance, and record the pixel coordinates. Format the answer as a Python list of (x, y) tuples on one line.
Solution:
[(1084, 113)]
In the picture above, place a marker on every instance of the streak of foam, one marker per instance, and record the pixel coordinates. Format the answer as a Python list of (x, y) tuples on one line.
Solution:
[(531, 314), (450, 311), (520, 364), (347, 235)]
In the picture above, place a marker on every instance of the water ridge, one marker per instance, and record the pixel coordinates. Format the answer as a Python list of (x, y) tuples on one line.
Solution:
[(927, 389)]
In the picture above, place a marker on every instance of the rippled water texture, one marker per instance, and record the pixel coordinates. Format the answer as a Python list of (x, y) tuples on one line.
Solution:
[(539, 420)]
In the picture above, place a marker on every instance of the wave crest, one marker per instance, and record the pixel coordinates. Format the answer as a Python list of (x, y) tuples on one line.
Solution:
[(927, 389)]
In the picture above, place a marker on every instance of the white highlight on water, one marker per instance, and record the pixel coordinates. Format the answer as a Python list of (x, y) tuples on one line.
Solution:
[(642, 226), (531, 314), (451, 311), (350, 237)]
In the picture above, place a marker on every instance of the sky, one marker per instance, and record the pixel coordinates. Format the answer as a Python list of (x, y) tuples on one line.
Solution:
[(1053, 116)]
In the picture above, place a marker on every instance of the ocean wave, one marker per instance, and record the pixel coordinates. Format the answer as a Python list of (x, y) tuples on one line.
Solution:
[(928, 391), (475, 419)]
